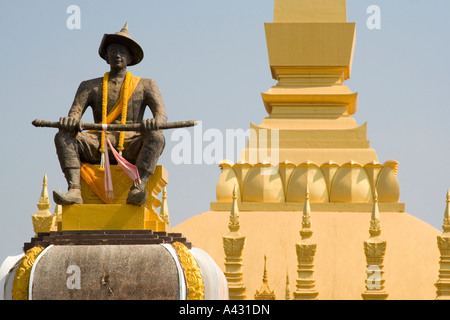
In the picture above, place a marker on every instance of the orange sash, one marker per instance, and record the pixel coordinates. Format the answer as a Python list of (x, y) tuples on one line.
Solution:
[(117, 109)]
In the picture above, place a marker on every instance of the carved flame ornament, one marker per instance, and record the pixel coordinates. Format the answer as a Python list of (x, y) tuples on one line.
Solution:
[(194, 278), (22, 275)]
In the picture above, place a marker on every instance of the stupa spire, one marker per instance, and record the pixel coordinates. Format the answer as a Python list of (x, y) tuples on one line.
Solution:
[(310, 11), (233, 245), (43, 220), (375, 249), (306, 231), (265, 277), (287, 295), (44, 203), (443, 283), (265, 293), (375, 224), (306, 251), (234, 215), (309, 124), (446, 224)]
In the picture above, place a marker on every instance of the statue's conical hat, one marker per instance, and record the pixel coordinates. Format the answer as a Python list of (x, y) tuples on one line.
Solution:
[(124, 38)]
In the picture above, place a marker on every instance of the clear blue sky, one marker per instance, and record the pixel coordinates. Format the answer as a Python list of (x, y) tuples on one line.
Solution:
[(210, 61)]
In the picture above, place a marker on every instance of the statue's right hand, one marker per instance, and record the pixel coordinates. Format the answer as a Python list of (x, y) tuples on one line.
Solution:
[(69, 124)]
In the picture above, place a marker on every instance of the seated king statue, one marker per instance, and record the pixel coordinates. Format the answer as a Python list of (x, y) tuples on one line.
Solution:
[(117, 98)]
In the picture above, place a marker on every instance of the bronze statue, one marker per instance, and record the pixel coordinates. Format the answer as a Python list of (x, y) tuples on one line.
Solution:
[(141, 148)]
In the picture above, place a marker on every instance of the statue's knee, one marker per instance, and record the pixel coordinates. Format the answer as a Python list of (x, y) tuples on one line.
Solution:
[(156, 137), (65, 139), (60, 137)]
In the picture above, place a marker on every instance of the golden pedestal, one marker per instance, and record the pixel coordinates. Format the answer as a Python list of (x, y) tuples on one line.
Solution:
[(99, 213), (93, 185), (110, 217)]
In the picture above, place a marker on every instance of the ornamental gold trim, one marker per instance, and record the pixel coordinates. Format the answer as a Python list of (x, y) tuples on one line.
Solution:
[(193, 275), (23, 272)]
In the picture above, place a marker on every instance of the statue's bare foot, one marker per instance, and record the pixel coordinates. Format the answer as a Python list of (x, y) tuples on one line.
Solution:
[(137, 197), (73, 196)]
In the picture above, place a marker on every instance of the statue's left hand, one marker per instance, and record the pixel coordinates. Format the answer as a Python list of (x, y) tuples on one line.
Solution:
[(150, 124), (69, 124)]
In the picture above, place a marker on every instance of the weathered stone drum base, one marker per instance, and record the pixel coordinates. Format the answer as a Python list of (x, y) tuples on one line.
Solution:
[(115, 265)]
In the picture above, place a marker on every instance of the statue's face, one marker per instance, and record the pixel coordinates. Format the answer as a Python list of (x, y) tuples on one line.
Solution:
[(119, 56)]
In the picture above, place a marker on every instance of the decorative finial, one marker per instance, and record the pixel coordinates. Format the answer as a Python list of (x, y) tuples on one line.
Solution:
[(233, 245), (125, 28), (234, 215), (287, 295), (446, 225), (306, 251), (164, 211), (443, 283), (306, 231), (374, 250), (375, 225), (44, 203), (265, 277), (265, 293), (44, 183), (44, 193), (43, 220)]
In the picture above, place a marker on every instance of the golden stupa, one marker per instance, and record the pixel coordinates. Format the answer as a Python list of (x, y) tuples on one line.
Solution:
[(308, 192)]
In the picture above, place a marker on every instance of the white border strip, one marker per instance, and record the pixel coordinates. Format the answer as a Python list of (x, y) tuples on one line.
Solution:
[(181, 280), (30, 284), (6, 269)]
